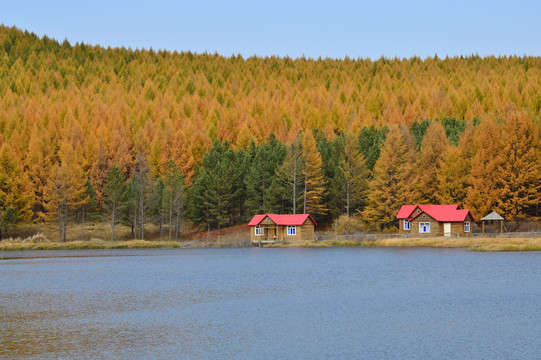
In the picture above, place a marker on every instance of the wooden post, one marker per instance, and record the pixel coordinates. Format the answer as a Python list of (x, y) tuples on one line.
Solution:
[(501, 226), (483, 226)]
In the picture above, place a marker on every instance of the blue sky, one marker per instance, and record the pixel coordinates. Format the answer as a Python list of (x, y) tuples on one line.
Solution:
[(365, 29)]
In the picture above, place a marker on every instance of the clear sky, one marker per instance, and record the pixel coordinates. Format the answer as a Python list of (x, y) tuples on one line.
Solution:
[(334, 28)]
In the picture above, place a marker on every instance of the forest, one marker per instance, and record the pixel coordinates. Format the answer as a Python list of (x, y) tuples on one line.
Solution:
[(139, 137)]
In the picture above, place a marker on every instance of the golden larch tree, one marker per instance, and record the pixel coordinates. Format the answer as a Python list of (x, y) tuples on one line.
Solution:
[(314, 182), (518, 180), (482, 195), (454, 174), (391, 185), (433, 150)]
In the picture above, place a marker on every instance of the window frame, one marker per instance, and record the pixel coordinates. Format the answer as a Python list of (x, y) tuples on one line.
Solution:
[(424, 224), (259, 230), (407, 225), (468, 226), (291, 230)]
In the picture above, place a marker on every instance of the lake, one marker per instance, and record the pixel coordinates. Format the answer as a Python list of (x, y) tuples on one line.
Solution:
[(332, 303)]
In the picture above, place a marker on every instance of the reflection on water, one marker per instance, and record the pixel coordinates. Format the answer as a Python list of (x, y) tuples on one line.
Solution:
[(270, 304)]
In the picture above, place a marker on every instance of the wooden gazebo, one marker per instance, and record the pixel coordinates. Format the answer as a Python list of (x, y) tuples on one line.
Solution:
[(493, 216)]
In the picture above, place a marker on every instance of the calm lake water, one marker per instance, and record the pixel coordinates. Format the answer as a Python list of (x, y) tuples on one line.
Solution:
[(343, 303)]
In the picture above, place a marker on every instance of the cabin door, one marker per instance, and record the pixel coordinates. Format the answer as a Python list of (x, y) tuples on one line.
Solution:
[(447, 229)]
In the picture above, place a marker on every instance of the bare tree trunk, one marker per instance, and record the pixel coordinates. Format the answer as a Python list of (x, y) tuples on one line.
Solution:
[(295, 183), (161, 226), (59, 217), (304, 200), (83, 223), (65, 220), (347, 197), (177, 227), (170, 216), (113, 210), (135, 222), (142, 220)]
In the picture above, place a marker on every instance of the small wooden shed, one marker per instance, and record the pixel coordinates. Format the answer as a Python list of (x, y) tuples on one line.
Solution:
[(493, 216), (269, 228)]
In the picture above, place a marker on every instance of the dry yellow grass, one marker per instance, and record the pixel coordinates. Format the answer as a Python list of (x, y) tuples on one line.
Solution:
[(8, 245), (476, 244), (473, 244)]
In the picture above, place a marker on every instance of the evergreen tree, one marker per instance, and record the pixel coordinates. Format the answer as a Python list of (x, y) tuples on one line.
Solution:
[(261, 173), (453, 129), (418, 129), (355, 175), (332, 154), (289, 177), (216, 196), (371, 139)]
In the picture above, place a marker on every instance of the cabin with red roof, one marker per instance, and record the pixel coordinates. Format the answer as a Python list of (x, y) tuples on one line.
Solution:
[(268, 228), (435, 220)]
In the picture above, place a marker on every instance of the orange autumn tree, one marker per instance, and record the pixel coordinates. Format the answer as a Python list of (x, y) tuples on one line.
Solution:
[(454, 174), (65, 190), (314, 182), (482, 196), (518, 172), (16, 194), (391, 185), (433, 151)]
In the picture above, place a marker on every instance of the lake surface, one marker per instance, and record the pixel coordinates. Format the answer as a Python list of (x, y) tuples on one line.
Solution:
[(339, 303)]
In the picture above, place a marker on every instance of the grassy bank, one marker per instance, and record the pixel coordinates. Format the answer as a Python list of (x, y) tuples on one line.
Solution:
[(473, 244)]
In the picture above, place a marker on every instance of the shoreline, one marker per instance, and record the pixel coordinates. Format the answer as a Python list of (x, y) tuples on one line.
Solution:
[(471, 244)]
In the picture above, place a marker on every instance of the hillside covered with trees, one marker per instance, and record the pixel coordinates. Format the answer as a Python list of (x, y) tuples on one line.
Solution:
[(139, 136)]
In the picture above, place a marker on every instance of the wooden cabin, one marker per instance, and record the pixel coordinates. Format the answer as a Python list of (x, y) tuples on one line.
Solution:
[(269, 228), (435, 220)]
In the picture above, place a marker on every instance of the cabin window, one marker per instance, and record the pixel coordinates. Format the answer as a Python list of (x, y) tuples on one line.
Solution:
[(406, 224), (291, 229), (466, 226), (259, 231), (424, 227)]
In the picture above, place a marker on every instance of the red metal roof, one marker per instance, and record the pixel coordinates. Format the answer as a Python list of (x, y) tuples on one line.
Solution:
[(407, 210), (282, 219), (441, 213)]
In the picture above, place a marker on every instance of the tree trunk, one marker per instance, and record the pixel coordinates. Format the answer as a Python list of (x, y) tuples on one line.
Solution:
[(161, 226), (59, 218), (170, 216), (347, 197), (177, 227), (295, 183), (113, 210), (65, 220), (304, 200), (83, 223)]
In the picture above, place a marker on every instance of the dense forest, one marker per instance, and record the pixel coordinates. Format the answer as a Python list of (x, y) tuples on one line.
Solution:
[(140, 136)]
